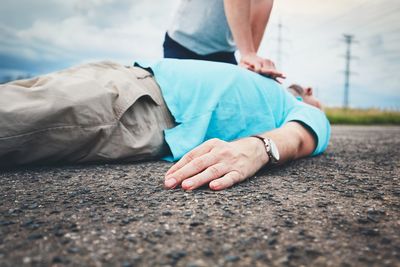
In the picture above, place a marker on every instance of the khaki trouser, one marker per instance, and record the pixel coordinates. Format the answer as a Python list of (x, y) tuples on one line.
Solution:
[(96, 112)]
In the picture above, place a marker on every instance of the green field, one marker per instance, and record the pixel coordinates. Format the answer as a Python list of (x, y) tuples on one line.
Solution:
[(362, 116)]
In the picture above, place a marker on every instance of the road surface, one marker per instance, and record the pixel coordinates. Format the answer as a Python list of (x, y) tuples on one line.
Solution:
[(338, 209)]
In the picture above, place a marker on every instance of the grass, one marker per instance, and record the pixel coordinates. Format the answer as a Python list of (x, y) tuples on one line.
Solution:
[(362, 116)]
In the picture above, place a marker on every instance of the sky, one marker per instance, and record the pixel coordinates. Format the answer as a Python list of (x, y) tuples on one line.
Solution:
[(42, 36)]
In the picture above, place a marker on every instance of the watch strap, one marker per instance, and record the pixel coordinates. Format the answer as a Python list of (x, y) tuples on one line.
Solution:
[(267, 145)]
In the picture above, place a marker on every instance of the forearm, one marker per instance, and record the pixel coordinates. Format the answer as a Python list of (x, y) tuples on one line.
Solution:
[(247, 20), (259, 17), (238, 14), (293, 141)]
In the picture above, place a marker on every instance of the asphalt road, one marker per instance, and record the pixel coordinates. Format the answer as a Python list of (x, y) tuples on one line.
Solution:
[(338, 209)]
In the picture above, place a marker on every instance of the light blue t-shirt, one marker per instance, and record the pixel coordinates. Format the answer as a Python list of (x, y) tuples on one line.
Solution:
[(219, 100), (201, 26)]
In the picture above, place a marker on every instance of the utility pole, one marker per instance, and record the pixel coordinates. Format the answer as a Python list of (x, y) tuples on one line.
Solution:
[(280, 43), (279, 50), (348, 40)]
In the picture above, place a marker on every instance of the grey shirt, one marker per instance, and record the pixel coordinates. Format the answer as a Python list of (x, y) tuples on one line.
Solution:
[(201, 26)]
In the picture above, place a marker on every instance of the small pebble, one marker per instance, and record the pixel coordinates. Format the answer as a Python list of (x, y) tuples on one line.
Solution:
[(73, 250), (231, 258), (35, 236)]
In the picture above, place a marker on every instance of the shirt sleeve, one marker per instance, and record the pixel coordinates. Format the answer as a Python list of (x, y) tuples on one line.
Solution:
[(315, 121)]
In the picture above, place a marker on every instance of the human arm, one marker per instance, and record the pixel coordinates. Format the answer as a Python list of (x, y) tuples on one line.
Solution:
[(260, 13), (222, 164), (247, 20)]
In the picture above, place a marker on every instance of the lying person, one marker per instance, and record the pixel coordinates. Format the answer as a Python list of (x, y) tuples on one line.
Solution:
[(204, 114)]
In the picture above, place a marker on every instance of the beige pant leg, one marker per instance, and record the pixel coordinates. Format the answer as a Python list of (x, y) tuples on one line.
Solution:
[(93, 112)]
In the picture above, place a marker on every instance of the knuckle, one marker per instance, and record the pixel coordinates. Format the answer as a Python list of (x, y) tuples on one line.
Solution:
[(231, 180), (215, 172), (179, 177), (225, 152), (198, 164), (217, 142), (228, 152), (212, 158), (235, 177), (190, 157), (212, 141)]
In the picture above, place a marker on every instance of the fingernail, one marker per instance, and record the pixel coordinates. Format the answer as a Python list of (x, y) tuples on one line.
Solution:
[(216, 185), (188, 184), (170, 183)]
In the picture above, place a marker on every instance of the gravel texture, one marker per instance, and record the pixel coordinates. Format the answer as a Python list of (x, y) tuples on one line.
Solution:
[(338, 209)]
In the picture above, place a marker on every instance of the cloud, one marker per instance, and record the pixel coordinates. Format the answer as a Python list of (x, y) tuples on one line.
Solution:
[(83, 34), (88, 5), (96, 29), (45, 35)]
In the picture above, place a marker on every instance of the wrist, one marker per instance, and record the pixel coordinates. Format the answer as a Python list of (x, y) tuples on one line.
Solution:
[(248, 53), (260, 152), (270, 148)]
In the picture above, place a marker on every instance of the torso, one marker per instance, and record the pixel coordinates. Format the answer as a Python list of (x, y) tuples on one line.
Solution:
[(201, 26)]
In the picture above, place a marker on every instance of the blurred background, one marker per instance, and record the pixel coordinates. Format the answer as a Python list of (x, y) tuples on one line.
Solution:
[(311, 41)]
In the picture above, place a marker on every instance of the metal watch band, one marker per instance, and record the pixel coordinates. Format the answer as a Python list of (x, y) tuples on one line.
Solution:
[(267, 148)]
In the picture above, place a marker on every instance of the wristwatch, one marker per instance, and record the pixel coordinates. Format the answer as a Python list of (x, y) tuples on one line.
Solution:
[(270, 148)]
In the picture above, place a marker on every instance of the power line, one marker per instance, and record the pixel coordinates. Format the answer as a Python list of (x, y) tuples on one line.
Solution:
[(382, 20), (373, 11), (334, 20)]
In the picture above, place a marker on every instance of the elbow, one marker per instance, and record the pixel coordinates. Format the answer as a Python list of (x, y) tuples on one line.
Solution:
[(306, 141)]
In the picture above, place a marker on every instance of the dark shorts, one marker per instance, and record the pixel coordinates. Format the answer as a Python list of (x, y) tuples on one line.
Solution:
[(173, 49)]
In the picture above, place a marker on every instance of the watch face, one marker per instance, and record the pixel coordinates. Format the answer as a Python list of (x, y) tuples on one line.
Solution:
[(274, 150)]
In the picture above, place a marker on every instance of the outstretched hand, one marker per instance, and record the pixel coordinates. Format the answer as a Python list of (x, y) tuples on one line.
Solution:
[(261, 65), (217, 163)]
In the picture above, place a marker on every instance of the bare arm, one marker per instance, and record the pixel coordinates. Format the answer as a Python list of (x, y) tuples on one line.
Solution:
[(223, 164), (247, 20), (259, 17), (238, 15)]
